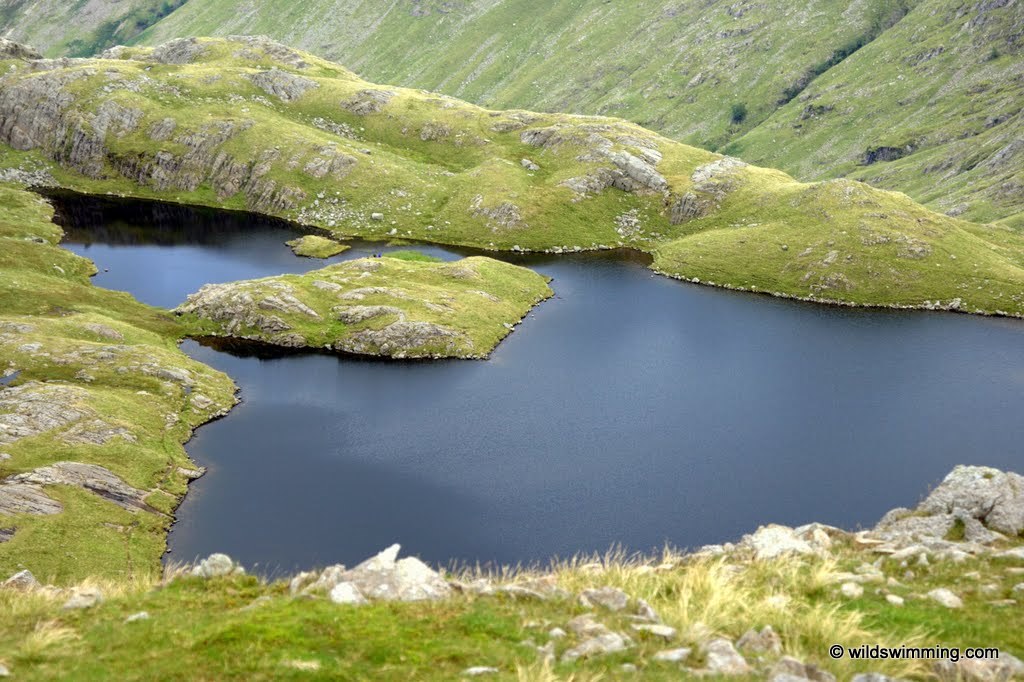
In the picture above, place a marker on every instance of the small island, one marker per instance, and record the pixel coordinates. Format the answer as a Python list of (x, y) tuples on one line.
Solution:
[(315, 246), (390, 307)]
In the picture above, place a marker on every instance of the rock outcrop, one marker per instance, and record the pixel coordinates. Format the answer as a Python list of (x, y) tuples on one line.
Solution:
[(982, 501), (401, 322)]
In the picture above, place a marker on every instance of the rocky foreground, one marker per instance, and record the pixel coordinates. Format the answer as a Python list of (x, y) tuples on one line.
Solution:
[(377, 306), (974, 518)]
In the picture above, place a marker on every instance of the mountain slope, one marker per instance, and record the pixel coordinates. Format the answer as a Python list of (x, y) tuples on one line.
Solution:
[(941, 80), (936, 83), (252, 124), (932, 107), (79, 29)]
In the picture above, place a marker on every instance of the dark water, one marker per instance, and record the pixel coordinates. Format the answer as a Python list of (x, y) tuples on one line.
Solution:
[(631, 410)]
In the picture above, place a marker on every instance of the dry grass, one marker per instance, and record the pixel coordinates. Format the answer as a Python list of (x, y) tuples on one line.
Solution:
[(705, 596)]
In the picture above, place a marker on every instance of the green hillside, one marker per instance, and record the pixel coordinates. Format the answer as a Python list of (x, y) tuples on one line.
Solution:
[(940, 80), (816, 89), (252, 124)]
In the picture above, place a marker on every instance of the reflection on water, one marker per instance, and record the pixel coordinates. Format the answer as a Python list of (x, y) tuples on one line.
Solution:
[(630, 409)]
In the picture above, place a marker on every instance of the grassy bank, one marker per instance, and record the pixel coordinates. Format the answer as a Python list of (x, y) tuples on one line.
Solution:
[(244, 628)]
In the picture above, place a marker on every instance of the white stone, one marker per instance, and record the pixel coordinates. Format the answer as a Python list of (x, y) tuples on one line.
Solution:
[(347, 593), (945, 598), (673, 655), (851, 590)]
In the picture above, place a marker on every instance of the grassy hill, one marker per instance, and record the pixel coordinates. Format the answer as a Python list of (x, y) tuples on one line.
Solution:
[(921, 96), (252, 124)]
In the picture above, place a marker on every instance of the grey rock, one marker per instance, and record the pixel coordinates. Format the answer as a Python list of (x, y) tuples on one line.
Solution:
[(556, 633), (478, 670), (529, 165), (96, 432), (946, 598), (766, 641), (688, 207), (722, 658), (22, 580), (586, 626), (872, 677), (162, 129), (600, 645), (404, 339), (104, 331), (386, 577), (994, 497), (646, 611), (216, 566), (367, 102), (638, 173), (789, 668), (91, 477), (136, 617), (83, 598), (284, 85), (12, 50), (178, 51), (347, 593), (361, 313), (610, 598), (26, 499), (35, 408), (262, 47), (772, 541)]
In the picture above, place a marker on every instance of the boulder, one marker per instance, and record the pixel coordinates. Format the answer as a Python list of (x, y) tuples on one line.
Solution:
[(946, 598), (994, 497), (610, 598), (284, 85), (22, 580), (217, 565), (83, 598), (600, 645), (789, 668), (773, 541), (12, 50), (386, 577), (767, 641), (722, 658), (368, 101)]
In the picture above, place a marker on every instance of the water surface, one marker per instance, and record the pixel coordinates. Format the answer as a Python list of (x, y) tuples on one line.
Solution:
[(631, 409)]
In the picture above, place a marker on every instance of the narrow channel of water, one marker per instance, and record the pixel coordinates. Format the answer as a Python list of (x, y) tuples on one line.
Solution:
[(630, 410)]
